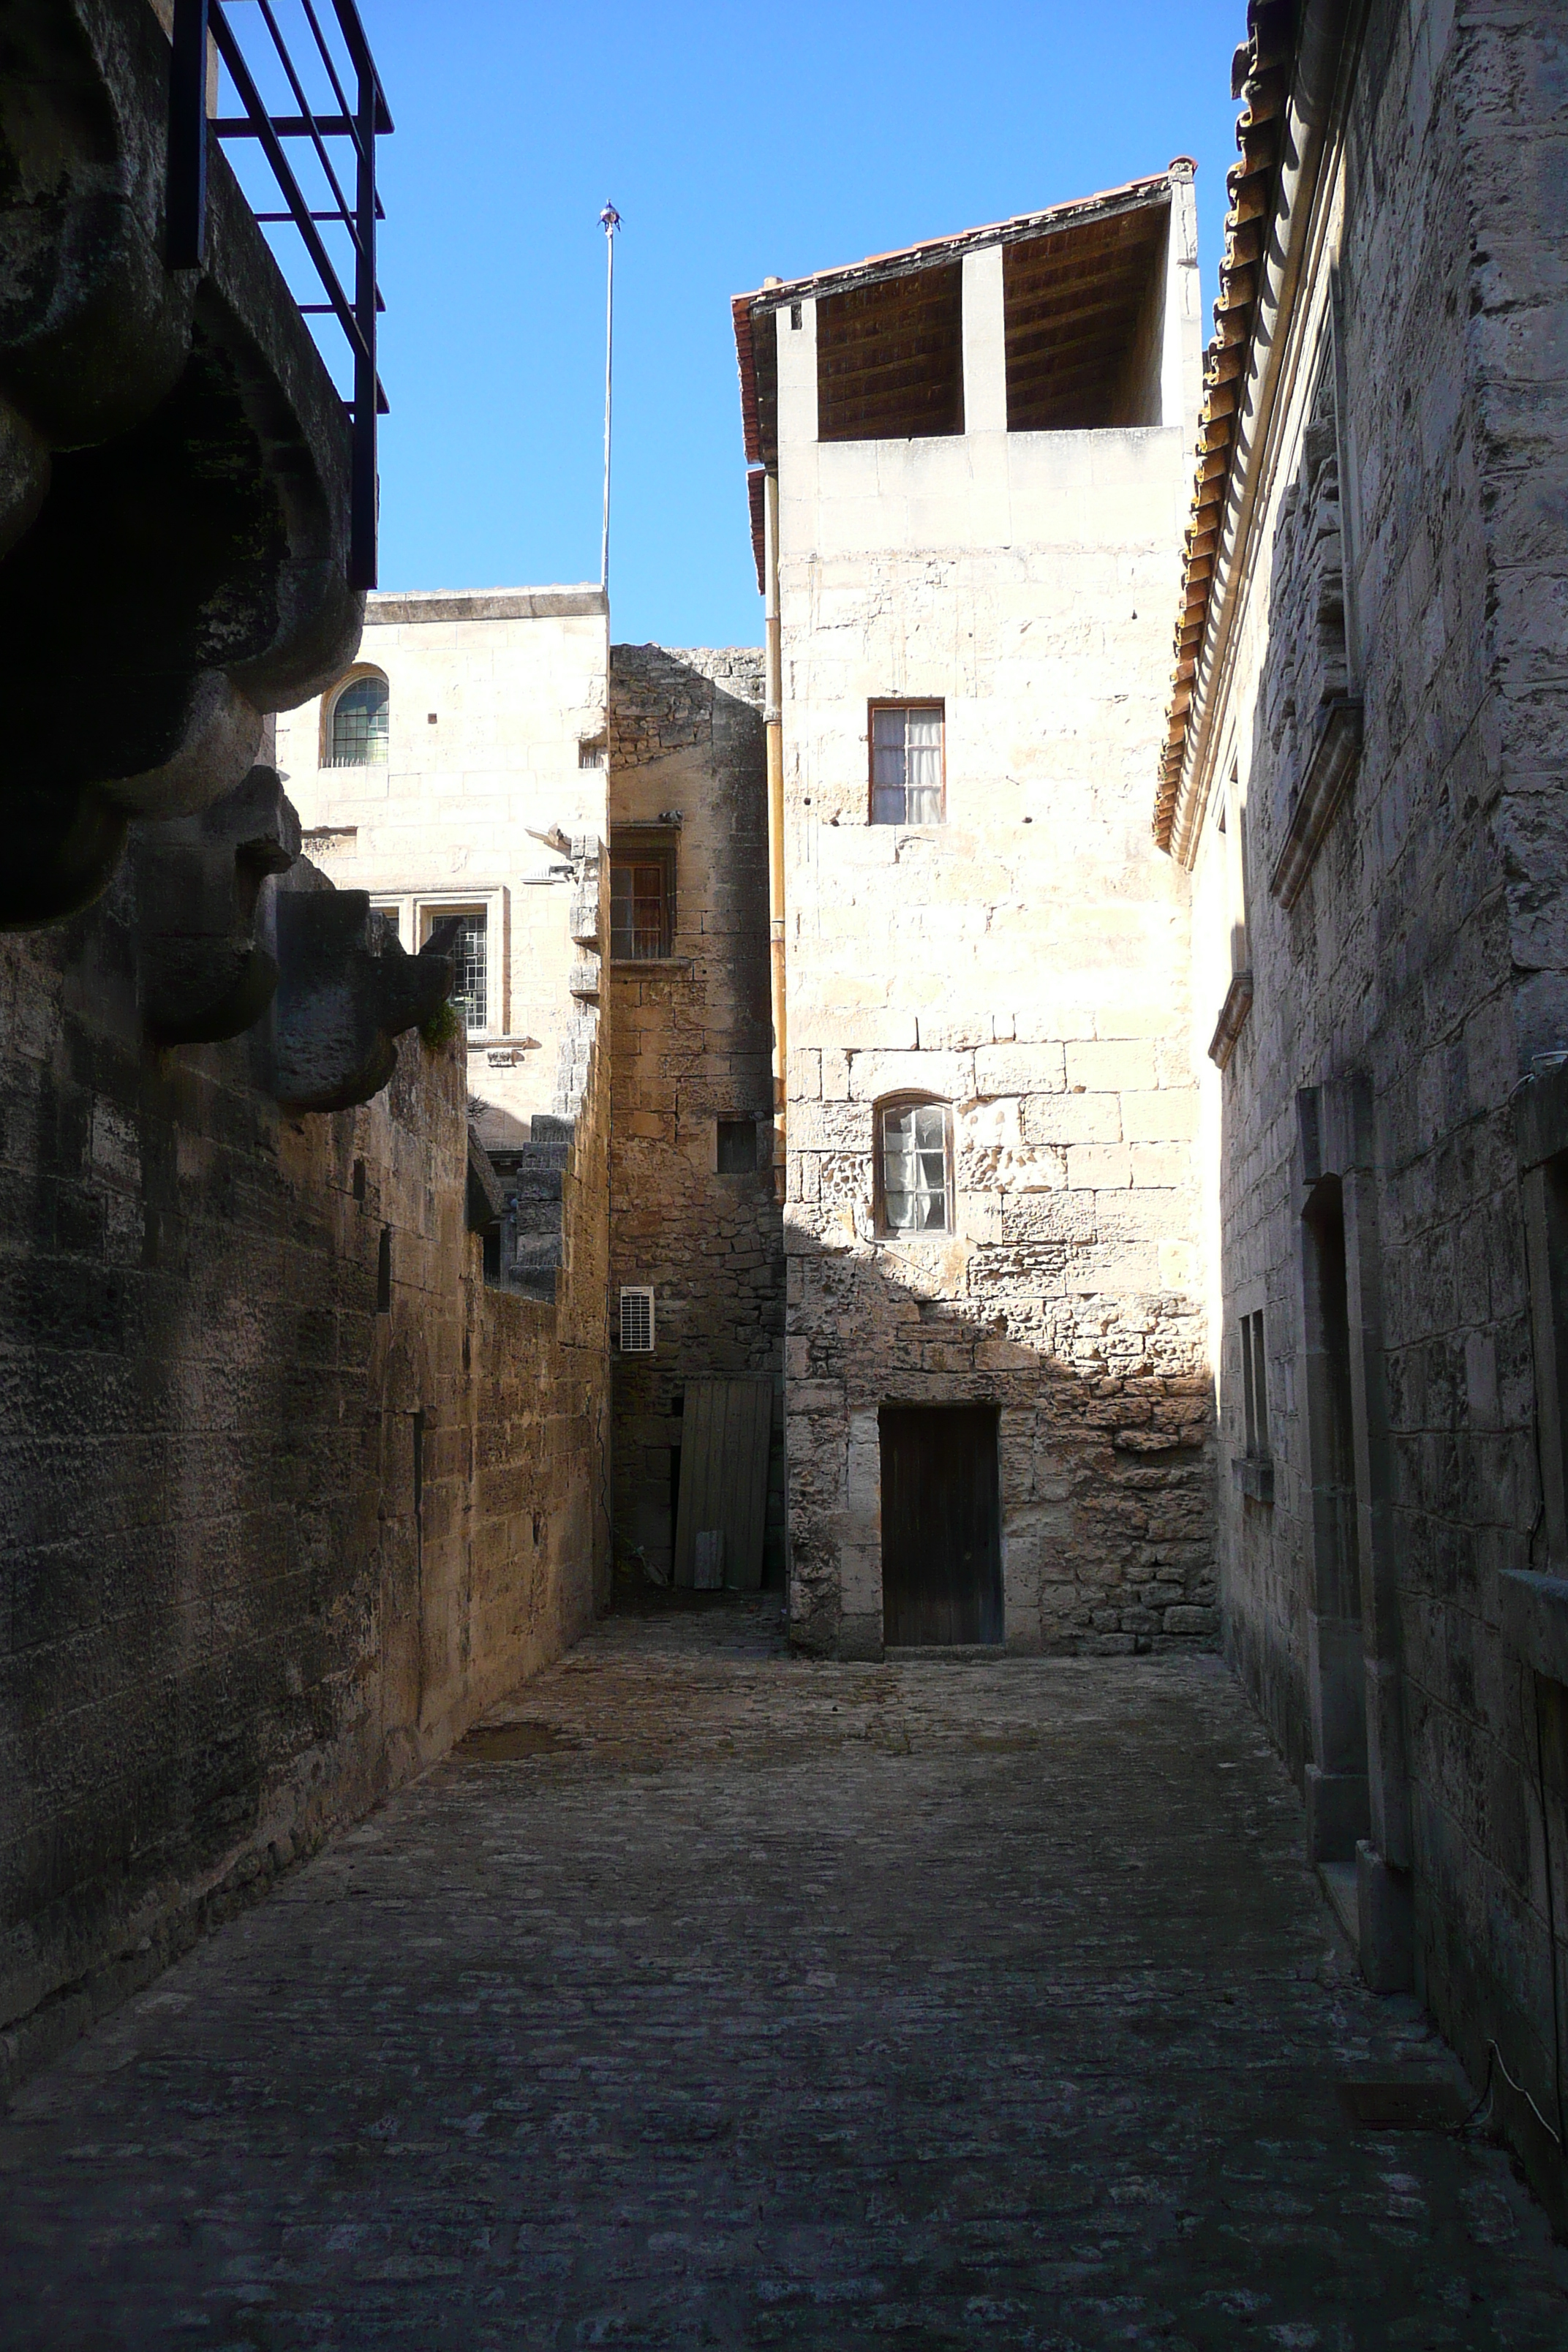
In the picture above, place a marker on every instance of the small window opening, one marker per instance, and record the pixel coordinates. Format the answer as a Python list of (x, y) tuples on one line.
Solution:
[(593, 751), (470, 960), (360, 718), (914, 1164), (384, 1273), (430, 718), (358, 1179), (736, 1147), (907, 763), (636, 1319), (1255, 1386), (794, 315)]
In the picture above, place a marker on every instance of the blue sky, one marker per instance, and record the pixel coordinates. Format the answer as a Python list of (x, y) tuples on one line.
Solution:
[(735, 142)]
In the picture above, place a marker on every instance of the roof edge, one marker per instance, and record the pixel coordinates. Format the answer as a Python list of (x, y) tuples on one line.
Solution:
[(1277, 134), (584, 600)]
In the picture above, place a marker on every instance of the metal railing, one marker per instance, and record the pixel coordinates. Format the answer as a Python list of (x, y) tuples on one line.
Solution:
[(204, 38)]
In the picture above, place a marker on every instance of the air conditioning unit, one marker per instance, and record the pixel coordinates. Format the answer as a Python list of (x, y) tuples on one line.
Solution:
[(636, 1319)]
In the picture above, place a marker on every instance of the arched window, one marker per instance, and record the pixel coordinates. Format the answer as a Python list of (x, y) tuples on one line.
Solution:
[(358, 728), (914, 1167)]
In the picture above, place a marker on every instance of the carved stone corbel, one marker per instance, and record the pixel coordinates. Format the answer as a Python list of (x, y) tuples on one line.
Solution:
[(347, 989), (202, 972)]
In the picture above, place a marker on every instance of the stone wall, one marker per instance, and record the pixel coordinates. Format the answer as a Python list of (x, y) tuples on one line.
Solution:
[(1399, 1000), (286, 1493), (1025, 962), (690, 1044)]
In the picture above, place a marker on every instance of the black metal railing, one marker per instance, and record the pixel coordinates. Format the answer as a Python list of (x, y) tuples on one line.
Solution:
[(204, 40)]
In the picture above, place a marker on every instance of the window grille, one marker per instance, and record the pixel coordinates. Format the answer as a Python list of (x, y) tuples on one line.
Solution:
[(906, 763), (360, 724), (636, 1320), (470, 963), (641, 906), (916, 1187)]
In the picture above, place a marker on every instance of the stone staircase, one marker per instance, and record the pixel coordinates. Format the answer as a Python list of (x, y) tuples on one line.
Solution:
[(537, 1246)]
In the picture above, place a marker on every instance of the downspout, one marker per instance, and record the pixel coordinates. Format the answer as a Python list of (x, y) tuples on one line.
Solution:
[(773, 718)]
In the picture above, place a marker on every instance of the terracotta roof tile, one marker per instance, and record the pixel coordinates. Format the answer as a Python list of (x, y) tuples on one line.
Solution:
[(1259, 75)]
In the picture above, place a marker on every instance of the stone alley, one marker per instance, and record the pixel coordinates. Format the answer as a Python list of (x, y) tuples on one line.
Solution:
[(710, 1996)]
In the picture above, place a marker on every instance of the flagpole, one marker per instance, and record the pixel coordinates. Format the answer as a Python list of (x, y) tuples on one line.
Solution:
[(609, 221)]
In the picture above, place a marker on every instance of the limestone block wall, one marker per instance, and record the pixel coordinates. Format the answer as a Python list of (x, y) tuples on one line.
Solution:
[(496, 698), (1424, 956), (1026, 963), (286, 1493), (690, 1044)]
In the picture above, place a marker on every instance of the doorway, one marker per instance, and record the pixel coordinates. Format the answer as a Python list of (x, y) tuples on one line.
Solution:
[(942, 1526)]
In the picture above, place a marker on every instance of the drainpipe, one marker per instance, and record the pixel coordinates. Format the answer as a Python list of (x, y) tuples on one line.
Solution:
[(773, 716)]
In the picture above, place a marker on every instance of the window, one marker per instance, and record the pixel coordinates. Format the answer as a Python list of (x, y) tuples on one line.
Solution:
[(358, 737), (592, 752), (470, 960), (914, 1168), (636, 1320), (907, 782), (736, 1147), (391, 915), (642, 900), (1254, 1386)]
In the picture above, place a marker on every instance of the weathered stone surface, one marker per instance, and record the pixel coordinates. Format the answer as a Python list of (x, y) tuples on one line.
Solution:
[(1404, 977), (690, 1046), (1022, 961), (711, 1996), (286, 1491), (177, 523)]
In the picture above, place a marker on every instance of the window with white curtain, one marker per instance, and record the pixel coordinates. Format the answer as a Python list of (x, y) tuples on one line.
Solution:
[(906, 783), (914, 1144)]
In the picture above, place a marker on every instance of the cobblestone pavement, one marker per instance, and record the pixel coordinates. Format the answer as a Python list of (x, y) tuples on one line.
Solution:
[(735, 2000)]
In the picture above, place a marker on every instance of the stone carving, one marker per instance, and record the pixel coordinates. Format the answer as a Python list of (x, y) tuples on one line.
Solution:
[(174, 469), (202, 973), (347, 989)]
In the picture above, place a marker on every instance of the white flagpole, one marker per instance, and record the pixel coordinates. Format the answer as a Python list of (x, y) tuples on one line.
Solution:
[(609, 221)]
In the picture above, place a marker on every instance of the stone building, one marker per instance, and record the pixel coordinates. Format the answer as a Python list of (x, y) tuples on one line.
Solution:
[(448, 772), (1362, 772), (694, 1216), (972, 462)]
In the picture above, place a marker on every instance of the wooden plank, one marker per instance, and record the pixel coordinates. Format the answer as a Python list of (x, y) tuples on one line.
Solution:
[(725, 1428)]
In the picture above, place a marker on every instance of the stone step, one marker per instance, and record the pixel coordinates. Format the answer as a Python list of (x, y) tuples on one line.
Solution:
[(539, 1216), (538, 1184), (538, 1252)]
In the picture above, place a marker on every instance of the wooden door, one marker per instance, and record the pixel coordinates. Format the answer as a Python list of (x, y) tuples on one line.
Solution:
[(724, 1431), (942, 1525)]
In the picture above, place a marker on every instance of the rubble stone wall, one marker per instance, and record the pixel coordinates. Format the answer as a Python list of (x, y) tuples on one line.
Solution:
[(1426, 954), (270, 1534), (691, 1043)]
